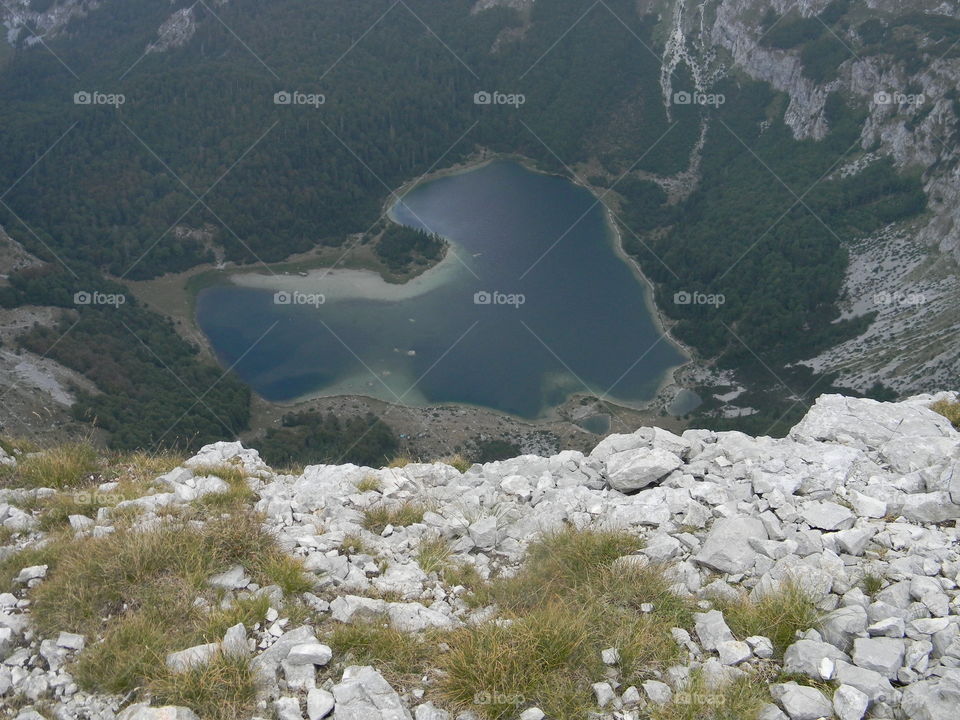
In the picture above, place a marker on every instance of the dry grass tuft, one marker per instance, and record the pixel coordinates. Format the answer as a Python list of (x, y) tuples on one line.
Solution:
[(562, 608), (133, 594), (371, 483), (64, 466), (225, 689), (778, 614), (458, 461), (401, 657), (740, 700), (376, 518), (951, 411), (433, 554), (238, 494)]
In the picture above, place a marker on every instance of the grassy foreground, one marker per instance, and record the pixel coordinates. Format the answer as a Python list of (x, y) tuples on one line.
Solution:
[(142, 592), (569, 601)]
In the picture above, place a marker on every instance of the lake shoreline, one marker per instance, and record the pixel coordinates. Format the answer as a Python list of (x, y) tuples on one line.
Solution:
[(484, 157), (661, 399)]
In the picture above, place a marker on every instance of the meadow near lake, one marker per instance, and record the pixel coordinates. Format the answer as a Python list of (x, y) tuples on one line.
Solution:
[(531, 304)]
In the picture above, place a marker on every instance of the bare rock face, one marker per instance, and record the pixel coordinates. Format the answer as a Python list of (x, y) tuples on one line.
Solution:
[(363, 694), (727, 547)]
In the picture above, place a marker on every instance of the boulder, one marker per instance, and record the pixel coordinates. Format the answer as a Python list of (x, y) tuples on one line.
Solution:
[(727, 547), (733, 652), (267, 663), (234, 643), (849, 703), (633, 470), (843, 624), (828, 516), (804, 656), (363, 694), (870, 682), (319, 704), (712, 629), (865, 423), (931, 700), (801, 702), (198, 655), (881, 654), (312, 653), (143, 711), (353, 608), (287, 708), (235, 578)]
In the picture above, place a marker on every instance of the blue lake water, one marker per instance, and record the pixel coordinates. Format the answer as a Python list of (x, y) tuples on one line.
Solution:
[(583, 324)]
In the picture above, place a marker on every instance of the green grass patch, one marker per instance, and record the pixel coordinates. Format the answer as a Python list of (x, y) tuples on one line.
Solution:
[(225, 689), (65, 466), (353, 544), (376, 518), (11, 565), (872, 584), (562, 608), (558, 564), (740, 700), (778, 614), (464, 574), (398, 655), (371, 483), (133, 595), (544, 657), (458, 461), (433, 554)]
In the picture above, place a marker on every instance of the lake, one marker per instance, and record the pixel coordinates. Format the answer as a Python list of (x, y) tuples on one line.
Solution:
[(531, 304)]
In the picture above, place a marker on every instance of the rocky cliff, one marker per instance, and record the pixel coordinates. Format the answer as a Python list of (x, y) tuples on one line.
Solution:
[(856, 510), (906, 274)]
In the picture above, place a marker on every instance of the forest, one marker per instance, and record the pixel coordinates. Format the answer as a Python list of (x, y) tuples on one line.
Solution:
[(313, 437)]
